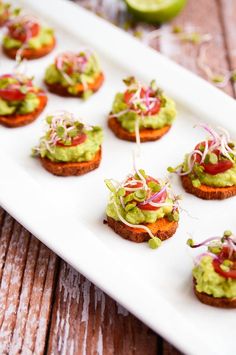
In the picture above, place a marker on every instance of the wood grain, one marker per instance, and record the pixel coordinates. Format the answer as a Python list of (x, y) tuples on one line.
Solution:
[(81, 319), (86, 321), (26, 286), (228, 16)]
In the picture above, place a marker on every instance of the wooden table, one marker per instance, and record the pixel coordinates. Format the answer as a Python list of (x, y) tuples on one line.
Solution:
[(45, 305)]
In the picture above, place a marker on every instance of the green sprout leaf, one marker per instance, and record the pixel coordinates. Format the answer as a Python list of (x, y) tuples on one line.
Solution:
[(16, 11), (190, 242), (233, 76), (130, 206), (153, 85), (154, 243), (60, 131), (171, 170), (217, 79), (227, 233), (49, 119), (213, 159), (73, 133), (121, 192), (128, 198), (110, 186), (176, 216), (154, 186), (140, 195), (129, 80)]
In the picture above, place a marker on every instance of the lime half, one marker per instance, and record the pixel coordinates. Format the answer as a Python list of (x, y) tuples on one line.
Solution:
[(155, 11)]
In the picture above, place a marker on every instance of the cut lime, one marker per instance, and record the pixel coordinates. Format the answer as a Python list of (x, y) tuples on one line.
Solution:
[(155, 11)]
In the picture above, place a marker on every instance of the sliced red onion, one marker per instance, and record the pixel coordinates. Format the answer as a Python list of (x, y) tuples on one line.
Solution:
[(206, 242), (214, 134)]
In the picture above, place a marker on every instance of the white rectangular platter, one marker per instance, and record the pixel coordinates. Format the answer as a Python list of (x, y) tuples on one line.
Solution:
[(67, 213)]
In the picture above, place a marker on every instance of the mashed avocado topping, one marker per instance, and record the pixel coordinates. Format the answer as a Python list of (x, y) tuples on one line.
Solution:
[(215, 270), (127, 120), (210, 282), (141, 199), (72, 70), (145, 104), (199, 176), (43, 38), (17, 95), (68, 140), (212, 162)]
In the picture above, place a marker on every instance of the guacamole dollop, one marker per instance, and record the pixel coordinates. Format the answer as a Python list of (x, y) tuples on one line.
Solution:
[(164, 117), (91, 70), (228, 178), (210, 282), (130, 200), (8, 107), (85, 151), (136, 215), (45, 37)]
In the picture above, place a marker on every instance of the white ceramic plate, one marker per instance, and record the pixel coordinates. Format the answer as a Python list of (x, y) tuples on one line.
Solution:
[(67, 213)]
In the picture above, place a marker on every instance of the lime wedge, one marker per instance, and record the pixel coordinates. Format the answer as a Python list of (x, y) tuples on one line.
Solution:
[(155, 11)]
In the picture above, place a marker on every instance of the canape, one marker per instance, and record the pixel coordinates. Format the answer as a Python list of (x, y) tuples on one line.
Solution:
[(27, 38), (209, 171), (142, 209), (75, 74), (68, 146), (214, 274), (141, 113), (21, 101)]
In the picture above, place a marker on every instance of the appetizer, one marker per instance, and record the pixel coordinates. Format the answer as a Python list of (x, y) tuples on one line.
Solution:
[(21, 101), (27, 38), (74, 74), (209, 171), (142, 209), (214, 275), (69, 147), (142, 113), (4, 12)]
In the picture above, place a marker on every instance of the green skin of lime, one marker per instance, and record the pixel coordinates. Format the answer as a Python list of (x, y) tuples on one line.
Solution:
[(164, 13)]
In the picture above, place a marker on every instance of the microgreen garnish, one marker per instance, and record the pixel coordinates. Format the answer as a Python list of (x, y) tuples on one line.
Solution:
[(62, 129), (222, 251), (216, 148), (138, 192)]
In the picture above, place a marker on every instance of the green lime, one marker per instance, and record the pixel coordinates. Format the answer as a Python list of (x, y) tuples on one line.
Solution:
[(155, 11)]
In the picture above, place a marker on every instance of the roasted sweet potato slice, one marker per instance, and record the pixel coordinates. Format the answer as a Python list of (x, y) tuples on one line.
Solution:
[(73, 168), (146, 134), (162, 229), (18, 120), (208, 192)]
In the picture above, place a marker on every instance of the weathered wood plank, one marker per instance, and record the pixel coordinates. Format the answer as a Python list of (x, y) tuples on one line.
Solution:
[(228, 13), (86, 321), (26, 287), (195, 17), (6, 229)]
